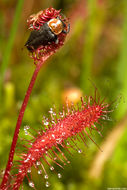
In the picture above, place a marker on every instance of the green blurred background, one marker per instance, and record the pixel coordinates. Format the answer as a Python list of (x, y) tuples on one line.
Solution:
[(95, 52)]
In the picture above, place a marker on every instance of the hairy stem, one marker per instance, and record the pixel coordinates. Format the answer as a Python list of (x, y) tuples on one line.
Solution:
[(18, 125)]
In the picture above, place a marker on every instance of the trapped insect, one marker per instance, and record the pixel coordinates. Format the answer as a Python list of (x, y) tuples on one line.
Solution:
[(47, 34)]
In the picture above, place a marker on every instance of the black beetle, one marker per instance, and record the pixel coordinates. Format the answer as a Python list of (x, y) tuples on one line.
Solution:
[(47, 34)]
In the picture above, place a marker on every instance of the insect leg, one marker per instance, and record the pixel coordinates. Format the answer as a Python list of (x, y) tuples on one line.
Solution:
[(68, 29)]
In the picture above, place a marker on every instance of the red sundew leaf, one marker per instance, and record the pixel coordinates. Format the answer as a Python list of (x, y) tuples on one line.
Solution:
[(57, 134)]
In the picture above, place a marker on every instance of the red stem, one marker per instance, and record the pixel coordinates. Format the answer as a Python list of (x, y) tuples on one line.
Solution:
[(18, 125)]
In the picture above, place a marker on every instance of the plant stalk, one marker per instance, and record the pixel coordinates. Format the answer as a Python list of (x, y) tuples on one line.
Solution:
[(18, 125)]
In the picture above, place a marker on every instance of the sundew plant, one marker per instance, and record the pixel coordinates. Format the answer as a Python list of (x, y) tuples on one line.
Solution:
[(71, 127)]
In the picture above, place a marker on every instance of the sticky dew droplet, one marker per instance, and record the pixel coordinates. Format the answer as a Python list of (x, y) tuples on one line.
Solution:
[(33, 159), (61, 114), (53, 136), (26, 132), (46, 176), (79, 151), (26, 127), (53, 122), (63, 134), (38, 163), (68, 143), (47, 184), (59, 175), (39, 172), (51, 168), (29, 170), (20, 171), (51, 110), (54, 113), (59, 140), (31, 184), (46, 123)]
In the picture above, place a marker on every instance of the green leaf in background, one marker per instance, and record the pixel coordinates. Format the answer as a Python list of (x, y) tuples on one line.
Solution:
[(122, 67), (9, 46)]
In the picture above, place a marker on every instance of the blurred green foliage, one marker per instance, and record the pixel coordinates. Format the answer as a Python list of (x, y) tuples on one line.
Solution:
[(96, 49)]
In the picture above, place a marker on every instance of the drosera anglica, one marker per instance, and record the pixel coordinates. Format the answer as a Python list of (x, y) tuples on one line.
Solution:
[(39, 56), (58, 133), (71, 123)]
